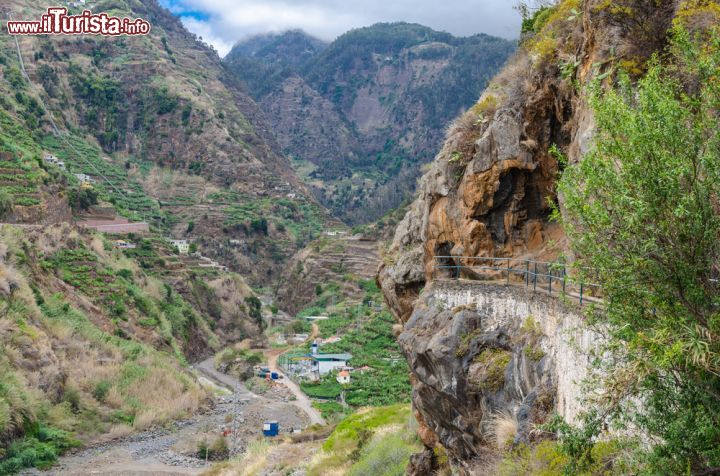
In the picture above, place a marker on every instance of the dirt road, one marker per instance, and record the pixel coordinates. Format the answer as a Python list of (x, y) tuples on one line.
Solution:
[(172, 450), (301, 400)]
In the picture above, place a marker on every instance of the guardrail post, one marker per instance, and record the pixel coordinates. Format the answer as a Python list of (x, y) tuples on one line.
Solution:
[(527, 273), (550, 276), (535, 277), (581, 292), (564, 278), (508, 271)]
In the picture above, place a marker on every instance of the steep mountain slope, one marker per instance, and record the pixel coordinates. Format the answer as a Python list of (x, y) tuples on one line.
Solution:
[(327, 261), (263, 62), (94, 342), (168, 117), (360, 116), (96, 334), (489, 193)]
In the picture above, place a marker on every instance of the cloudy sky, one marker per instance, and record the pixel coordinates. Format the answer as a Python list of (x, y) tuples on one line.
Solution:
[(224, 22)]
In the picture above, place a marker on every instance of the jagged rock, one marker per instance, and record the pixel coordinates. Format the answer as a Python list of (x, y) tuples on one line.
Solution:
[(458, 389), (422, 463)]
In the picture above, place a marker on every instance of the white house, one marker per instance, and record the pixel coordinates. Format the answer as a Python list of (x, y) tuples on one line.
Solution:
[(122, 244), (336, 233), (343, 378), (84, 179), (51, 159), (183, 246)]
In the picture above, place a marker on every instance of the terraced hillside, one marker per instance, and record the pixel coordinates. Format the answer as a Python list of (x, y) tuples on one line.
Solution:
[(336, 262), (166, 133)]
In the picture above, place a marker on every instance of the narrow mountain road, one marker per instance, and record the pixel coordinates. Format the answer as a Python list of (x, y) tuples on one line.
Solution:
[(207, 368), (301, 400)]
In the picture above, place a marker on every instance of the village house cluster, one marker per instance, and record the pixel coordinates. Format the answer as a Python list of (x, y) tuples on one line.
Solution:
[(313, 366), (51, 159)]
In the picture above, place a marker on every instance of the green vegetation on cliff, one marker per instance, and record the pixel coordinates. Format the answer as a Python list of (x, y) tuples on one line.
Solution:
[(641, 208), (376, 441)]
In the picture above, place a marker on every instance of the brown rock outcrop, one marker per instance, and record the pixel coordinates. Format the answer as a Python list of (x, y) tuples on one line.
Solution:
[(490, 192)]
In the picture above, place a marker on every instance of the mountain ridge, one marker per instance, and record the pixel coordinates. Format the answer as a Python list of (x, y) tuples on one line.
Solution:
[(362, 115)]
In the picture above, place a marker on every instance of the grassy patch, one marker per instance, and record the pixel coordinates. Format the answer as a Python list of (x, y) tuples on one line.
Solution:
[(371, 441), (40, 448), (326, 388), (331, 410), (493, 363)]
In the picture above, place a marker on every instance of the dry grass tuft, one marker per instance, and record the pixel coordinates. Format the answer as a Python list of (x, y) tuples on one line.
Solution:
[(10, 280), (164, 396), (252, 462), (502, 430)]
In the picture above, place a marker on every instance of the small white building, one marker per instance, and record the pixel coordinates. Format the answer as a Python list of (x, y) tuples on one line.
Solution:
[(51, 159), (183, 246), (343, 377), (336, 233), (316, 318), (84, 179), (125, 245)]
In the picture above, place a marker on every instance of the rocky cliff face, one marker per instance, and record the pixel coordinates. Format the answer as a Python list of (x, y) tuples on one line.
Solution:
[(489, 193), (490, 364), (366, 111)]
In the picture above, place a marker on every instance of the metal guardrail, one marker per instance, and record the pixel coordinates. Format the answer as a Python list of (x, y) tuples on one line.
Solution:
[(551, 277)]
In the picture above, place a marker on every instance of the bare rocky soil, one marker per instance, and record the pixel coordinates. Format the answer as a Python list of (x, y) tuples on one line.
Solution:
[(173, 449)]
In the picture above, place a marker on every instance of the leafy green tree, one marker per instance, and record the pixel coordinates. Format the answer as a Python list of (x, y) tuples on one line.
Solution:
[(642, 208), (254, 309), (259, 225), (82, 198)]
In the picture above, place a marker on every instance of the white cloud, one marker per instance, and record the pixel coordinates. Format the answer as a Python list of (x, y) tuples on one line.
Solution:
[(204, 29), (224, 22)]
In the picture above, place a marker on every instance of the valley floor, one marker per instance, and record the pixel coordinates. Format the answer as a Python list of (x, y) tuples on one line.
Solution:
[(166, 451)]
